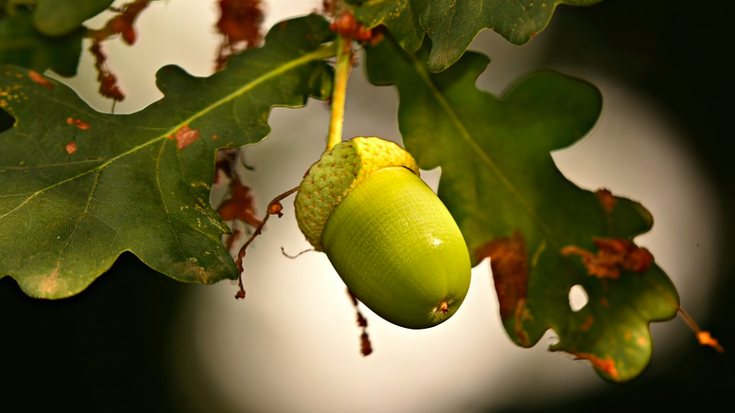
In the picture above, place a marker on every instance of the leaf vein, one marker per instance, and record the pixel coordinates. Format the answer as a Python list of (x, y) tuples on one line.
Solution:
[(81, 216), (318, 54), (163, 198), (467, 137), (51, 165)]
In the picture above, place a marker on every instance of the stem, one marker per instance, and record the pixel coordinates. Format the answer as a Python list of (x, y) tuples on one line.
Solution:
[(274, 208), (704, 337), (341, 76)]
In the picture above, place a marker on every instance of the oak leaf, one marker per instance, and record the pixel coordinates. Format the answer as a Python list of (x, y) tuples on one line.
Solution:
[(139, 182), (515, 207), (452, 25)]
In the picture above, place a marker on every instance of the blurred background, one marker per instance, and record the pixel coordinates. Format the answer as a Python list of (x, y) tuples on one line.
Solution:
[(138, 340)]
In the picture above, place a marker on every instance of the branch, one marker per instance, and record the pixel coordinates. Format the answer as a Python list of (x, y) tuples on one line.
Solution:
[(274, 208)]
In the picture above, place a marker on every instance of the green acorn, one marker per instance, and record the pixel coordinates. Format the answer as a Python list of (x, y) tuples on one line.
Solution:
[(390, 238)]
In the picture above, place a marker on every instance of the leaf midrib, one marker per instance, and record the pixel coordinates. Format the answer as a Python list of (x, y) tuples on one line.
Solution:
[(320, 53), (468, 139)]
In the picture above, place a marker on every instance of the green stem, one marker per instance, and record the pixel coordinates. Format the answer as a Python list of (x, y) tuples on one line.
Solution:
[(339, 91)]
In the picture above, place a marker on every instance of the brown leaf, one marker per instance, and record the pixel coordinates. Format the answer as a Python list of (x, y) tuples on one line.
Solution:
[(508, 260), (122, 23), (240, 24), (239, 205), (613, 256), (108, 81)]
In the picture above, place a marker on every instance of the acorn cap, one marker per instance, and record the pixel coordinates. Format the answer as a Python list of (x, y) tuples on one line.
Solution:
[(339, 170)]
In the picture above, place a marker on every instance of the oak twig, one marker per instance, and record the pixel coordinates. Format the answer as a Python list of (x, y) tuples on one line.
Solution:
[(274, 208)]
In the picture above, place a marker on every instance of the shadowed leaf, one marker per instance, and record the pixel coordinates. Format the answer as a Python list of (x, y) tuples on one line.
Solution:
[(21, 44), (138, 182), (452, 24), (60, 17), (514, 206)]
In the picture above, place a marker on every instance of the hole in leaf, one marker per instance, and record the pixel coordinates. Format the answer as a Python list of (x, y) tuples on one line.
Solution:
[(577, 297), (6, 121)]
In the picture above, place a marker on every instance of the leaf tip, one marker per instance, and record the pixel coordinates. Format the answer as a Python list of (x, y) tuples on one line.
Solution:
[(607, 199)]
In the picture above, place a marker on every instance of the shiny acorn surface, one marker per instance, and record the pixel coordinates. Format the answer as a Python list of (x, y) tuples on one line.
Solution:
[(390, 238), (395, 245)]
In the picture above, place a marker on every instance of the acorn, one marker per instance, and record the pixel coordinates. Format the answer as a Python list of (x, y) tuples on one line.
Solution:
[(387, 234)]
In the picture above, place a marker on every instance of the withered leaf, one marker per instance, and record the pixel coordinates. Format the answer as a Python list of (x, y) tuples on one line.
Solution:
[(239, 204)]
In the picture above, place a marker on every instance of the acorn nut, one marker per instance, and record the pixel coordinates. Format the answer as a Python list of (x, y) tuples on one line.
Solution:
[(388, 236)]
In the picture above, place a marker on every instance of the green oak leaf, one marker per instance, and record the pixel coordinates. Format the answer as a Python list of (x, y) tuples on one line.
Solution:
[(60, 17), (78, 188), (452, 24), (400, 16), (21, 44), (512, 204)]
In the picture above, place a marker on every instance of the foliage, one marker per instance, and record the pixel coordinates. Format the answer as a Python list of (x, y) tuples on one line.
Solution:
[(452, 25), (92, 186), (38, 39), (512, 204), (78, 188)]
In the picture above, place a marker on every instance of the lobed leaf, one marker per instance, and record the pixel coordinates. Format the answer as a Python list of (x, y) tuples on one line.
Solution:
[(543, 234), (452, 24), (60, 17), (78, 188)]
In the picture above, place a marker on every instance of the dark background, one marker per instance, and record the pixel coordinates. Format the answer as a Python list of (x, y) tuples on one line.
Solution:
[(107, 350), (679, 53)]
